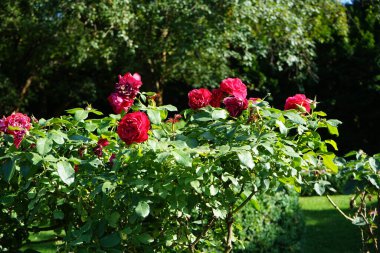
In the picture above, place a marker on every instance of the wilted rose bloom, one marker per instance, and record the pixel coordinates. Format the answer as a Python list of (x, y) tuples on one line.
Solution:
[(17, 124), (234, 87), (119, 103), (98, 150), (76, 168), (296, 101), (235, 106), (175, 119), (111, 160), (199, 98), (3, 125), (128, 85), (134, 127), (217, 97)]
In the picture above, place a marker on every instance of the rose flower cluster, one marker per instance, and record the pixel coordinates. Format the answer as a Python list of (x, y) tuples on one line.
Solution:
[(17, 125), (125, 92), (133, 127), (232, 93)]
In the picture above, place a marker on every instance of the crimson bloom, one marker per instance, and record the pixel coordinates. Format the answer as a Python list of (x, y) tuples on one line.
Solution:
[(128, 85), (235, 106), (234, 87), (296, 101), (17, 124), (134, 127), (199, 98), (217, 97), (119, 103)]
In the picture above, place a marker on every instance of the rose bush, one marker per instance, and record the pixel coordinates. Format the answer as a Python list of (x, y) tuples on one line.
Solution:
[(158, 184)]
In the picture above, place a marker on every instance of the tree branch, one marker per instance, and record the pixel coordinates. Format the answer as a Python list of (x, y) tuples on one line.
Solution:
[(206, 228), (337, 208)]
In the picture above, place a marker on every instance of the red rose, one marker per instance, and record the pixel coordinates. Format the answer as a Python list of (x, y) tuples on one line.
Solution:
[(234, 87), (217, 97), (103, 142), (128, 85), (17, 124), (119, 103), (296, 101), (134, 127), (199, 98), (235, 105)]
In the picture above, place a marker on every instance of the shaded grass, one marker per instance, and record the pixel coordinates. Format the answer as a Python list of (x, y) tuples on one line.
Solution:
[(327, 231)]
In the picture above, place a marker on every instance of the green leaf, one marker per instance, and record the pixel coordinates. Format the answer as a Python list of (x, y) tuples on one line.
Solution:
[(44, 146), (196, 185), (66, 172), (255, 203), (282, 127), (154, 116), (245, 158), (145, 238), (320, 187), (110, 241), (333, 130), (375, 164), (219, 114), (170, 108), (8, 169), (182, 158), (328, 161), (332, 143), (80, 115), (113, 219), (107, 187), (296, 118), (57, 138), (142, 209), (58, 214), (213, 190)]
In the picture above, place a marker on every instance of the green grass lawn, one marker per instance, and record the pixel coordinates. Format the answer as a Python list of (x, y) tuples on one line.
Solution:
[(327, 231)]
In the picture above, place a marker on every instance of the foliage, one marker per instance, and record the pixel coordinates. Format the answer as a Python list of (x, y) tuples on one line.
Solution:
[(48, 46), (364, 171), (165, 194), (275, 225)]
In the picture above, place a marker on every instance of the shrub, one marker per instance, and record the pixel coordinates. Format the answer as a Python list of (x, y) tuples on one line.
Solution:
[(272, 225), (139, 182)]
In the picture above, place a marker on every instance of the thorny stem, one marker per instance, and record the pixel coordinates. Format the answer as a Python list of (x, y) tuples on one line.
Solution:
[(337, 208)]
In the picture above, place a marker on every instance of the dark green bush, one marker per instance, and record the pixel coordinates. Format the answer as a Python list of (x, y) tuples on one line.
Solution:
[(275, 225)]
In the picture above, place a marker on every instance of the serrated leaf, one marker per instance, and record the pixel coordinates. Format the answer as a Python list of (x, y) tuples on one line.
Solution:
[(282, 127), (154, 116), (246, 159), (44, 146), (142, 209), (296, 118), (182, 158), (66, 172)]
